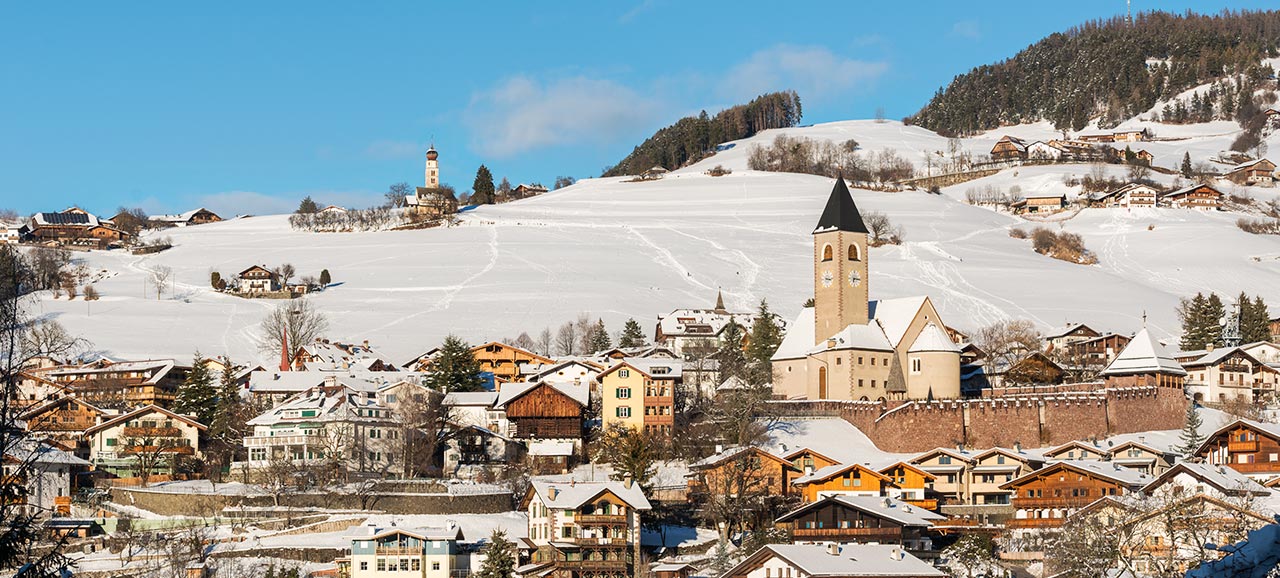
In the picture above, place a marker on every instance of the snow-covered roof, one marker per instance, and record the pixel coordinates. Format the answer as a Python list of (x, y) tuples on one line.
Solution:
[(1225, 479), (823, 474), (821, 560), (895, 315), (471, 398), (335, 356), (551, 448), (141, 412), (886, 508), (179, 218), (707, 323), (321, 404), (1216, 356), (41, 453), (278, 382), (722, 456), (572, 495), (579, 392), (933, 338), (655, 367), (832, 437), (81, 219), (158, 368), (370, 532), (1144, 354), (1187, 189), (1128, 477)]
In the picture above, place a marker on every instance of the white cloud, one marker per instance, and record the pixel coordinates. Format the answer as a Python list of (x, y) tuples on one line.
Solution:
[(522, 114), (813, 71), (966, 29)]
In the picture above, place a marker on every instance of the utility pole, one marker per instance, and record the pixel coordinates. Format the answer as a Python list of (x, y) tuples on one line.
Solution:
[(1128, 8)]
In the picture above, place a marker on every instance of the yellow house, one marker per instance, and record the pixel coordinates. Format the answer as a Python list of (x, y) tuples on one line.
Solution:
[(849, 479), (640, 393)]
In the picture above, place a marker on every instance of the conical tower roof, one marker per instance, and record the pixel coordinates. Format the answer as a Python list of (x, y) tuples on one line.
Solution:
[(841, 214), (720, 302), (1144, 354)]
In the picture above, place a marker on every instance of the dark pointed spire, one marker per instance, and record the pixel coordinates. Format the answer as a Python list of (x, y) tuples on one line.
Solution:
[(841, 214), (719, 302)]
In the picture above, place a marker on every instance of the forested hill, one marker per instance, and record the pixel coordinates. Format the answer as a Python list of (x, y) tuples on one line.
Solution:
[(1108, 70), (692, 138)]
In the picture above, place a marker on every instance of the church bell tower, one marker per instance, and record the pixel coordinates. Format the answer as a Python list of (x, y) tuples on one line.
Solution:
[(839, 266), (433, 169)]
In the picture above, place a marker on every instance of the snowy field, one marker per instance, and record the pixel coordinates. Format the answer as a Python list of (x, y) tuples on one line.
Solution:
[(617, 250)]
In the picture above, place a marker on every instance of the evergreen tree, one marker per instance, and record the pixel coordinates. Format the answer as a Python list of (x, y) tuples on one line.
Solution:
[(1214, 312), (307, 206), (325, 279), (598, 340), (482, 188), (632, 335), (733, 360), (1191, 436), (227, 427), (634, 455), (454, 368), (499, 561), (197, 395), (766, 336), (1186, 169), (1191, 313), (1255, 320)]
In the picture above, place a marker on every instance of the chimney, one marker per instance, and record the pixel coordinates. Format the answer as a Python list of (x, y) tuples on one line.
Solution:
[(888, 502), (627, 481), (1208, 347), (366, 344), (552, 492), (808, 470), (1142, 439), (897, 554), (719, 448), (1017, 447), (833, 549)]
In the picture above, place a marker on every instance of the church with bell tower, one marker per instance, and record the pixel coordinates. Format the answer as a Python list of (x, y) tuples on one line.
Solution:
[(849, 347)]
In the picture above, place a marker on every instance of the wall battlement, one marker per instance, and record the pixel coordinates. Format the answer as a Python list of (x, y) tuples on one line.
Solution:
[(1031, 418)]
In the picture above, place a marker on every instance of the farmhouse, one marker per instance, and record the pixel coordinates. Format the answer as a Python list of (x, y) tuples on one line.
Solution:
[(1045, 151), (1044, 498), (75, 227), (198, 216), (1009, 148), (1041, 203), (1132, 195), (1255, 172), (586, 528), (258, 279), (1201, 196)]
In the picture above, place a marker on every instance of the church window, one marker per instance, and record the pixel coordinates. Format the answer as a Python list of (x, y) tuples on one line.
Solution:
[(859, 383), (859, 360), (873, 383), (915, 365), (838, 360), (873, 362), (854, 254), (826, 252)]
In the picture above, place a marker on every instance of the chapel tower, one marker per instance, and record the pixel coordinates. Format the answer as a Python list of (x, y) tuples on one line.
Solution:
[(839, 266), (433, 169)]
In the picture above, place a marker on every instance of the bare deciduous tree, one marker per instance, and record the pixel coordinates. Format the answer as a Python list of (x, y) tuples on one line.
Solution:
[(298, 319), (160, 275), (567, 339), (1007, 342), (286, 272)]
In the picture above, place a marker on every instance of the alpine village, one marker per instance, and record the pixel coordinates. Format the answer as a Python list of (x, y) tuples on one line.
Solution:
[(858, 434)]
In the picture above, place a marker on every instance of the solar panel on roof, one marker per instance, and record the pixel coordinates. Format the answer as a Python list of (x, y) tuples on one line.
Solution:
[(65, 218)]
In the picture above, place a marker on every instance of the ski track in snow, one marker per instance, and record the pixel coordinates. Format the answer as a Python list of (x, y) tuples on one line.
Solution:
[(664, 256)]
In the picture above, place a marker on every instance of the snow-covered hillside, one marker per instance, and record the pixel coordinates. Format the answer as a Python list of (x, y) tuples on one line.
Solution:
[(615, 250)]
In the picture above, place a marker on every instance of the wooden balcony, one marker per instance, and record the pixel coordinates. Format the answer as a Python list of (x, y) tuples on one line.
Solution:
[(1034, 523), (151, 432), (595, 564), (1235, 446), (397, 551), (869, 534), (179, 450), (611, 542), (929, 504), (1256, 468), (600, 520), (1056, 502)]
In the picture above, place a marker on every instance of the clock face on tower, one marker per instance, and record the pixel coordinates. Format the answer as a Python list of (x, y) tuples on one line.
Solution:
[(854, 279), (827, 278)]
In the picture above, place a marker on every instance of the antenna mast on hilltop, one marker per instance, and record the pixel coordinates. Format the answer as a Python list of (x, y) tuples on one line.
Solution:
[(1128, 9)]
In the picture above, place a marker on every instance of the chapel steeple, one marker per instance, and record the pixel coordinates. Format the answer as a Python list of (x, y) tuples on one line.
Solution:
[(839, 266)]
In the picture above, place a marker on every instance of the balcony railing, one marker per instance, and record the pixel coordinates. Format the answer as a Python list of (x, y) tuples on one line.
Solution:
[(151, 432), (398, 551), (869, 533), (609, 519), (1239, 446), (1255, 468), (596, 564), (292, 440), (180, 450), (926, 504), (1057, 502), (602, 542), (1034, 523)]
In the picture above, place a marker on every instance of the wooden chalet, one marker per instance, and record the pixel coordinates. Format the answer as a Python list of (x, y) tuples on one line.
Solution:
[(200, 216), (1132, 195), (63, 422), (673, 570), (505, 361), (1261, 171), (1098, 351), (1009, 148), (523, 190), (1144, 362), (1045, 151), (1041, 203), (841, 479), (1034, 369), (1044, 498), (1131, 135), (543, 411), (76, 227), (740, 469), (1219, 375), (1201, 197), (833, 561), (1096, 138), (1246, 446), (258, 279), (1141, 456), (862, 519), (122, 384)]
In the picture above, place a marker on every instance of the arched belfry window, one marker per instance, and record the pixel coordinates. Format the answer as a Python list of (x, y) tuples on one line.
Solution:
[(826, 252), (854, 253)]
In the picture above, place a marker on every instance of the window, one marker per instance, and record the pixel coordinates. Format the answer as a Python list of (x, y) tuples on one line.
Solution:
[(624, 411), (826, 252), (624, 392), (854, 254), (111, 442), (566, 532), (915, 365), (859, 383), (624, 373), (382, 564), (404, 564), (416, 565), (435, 565), (999, 459), (364, 564), (944, 460), (873, 362)]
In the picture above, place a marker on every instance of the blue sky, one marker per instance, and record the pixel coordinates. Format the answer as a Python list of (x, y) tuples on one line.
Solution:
[(249, 106)]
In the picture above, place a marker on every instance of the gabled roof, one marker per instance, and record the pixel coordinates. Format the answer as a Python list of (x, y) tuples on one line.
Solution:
[(886, 508), (840, 213), (573, 494), (1188, 189), (907, 465), (1270, 430), (1074, 444), (1070, 328), (834, 470), (960, 455), (1143, 354), (732, 453), (818, 561), (51, 404), (1218, 355), (1225, 479), (895, 315), (578, 392), (1020, 456), (140, 412), (1127, 477), (646, 365), (428, 534)]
